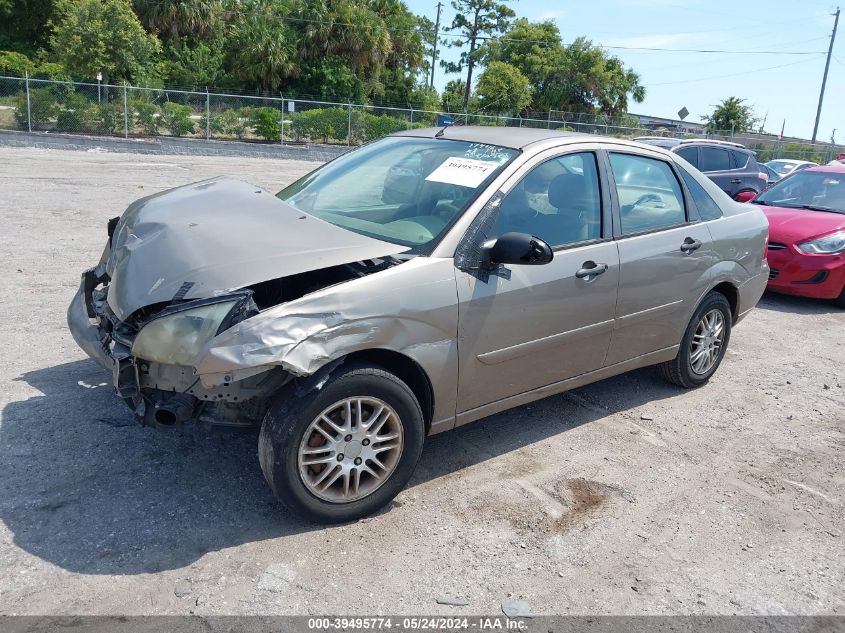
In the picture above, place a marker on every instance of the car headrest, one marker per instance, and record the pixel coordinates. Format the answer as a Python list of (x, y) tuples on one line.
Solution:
[(565, 188)]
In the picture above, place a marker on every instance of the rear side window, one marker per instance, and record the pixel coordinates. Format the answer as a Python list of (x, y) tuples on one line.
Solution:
[(714, 159), (707, 207), (650, 195), (740, 159), (689, 154)]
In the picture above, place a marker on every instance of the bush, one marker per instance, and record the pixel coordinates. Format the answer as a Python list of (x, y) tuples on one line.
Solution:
[(378, 126), (110, 119), (79, 115), (267, 123), (323, 123), (177, 118), (43, 108), (147, 116), (232, 122)]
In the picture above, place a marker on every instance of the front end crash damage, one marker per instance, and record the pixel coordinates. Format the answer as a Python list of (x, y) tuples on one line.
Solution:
[(193, 327)]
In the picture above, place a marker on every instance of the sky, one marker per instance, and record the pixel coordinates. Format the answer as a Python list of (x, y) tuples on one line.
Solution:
[(780, 87)]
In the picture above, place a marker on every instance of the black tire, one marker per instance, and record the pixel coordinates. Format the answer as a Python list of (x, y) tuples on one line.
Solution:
[(289, 417), (679, 370)]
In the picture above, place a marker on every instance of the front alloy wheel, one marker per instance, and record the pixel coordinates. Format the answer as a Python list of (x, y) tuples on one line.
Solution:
[(344, 450), (350, 449)]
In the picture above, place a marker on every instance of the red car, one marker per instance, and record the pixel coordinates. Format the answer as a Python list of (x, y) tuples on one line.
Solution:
[(806, 252)]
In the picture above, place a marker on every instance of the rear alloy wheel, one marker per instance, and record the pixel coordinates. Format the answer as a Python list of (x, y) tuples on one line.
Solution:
[(345, 450), (704, 344)]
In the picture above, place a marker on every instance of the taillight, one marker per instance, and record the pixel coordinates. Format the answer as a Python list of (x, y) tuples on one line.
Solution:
[(762, 175)]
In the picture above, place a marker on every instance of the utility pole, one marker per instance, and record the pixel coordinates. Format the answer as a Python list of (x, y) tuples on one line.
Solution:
[(434, 48), (824, 77)]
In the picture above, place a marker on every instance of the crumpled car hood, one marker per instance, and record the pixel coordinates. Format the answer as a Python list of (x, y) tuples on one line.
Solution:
[(218, 235)]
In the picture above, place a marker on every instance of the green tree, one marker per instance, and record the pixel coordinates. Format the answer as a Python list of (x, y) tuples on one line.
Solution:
[(91, 36), (196, 66), (587, 79), (475, 19), (534, 48), (16, 64), (730, 114), (261, 47), (24, 24), (172, 19), (452, 99), (502, 88)]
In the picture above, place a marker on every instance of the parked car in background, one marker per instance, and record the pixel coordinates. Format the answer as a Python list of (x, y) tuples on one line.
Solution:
[(658, 141), (773, 176), (418, 283), (731, 166), (785, 166), (806, 251)]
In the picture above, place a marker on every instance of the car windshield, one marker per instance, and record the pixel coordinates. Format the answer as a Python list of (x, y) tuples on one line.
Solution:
[(781, 167), (814, 190), (399, 189)]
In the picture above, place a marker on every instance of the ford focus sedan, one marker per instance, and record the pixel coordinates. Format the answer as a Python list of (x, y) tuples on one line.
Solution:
[(416, 284), (806, 213)]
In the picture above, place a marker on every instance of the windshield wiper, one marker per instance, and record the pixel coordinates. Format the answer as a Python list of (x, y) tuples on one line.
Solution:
[(763, 202)]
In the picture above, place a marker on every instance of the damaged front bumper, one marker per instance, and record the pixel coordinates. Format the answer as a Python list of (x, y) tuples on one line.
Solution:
[(161, 394)]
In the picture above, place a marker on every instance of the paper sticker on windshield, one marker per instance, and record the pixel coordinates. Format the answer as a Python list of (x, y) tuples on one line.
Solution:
[(465, 172)]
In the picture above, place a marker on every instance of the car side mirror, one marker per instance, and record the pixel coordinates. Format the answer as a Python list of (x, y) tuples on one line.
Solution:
[(745, 196), (517, 248)]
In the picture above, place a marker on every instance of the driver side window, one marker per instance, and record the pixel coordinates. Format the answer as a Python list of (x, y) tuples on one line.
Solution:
[(558, 201)]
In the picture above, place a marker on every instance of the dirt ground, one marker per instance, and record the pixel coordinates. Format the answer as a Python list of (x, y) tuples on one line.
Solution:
[(629, 496)]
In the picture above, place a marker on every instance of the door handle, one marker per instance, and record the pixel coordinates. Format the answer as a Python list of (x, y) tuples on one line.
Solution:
[(591, 268), (736, 181), (690, 245)]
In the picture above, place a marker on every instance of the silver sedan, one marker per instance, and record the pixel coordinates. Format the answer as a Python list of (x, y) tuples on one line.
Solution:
[(413, 285)]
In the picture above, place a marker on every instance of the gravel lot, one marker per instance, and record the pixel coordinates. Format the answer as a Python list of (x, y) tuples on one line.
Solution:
[(628, 496)]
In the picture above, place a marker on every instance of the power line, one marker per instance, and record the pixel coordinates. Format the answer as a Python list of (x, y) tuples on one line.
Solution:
[(746, 72)]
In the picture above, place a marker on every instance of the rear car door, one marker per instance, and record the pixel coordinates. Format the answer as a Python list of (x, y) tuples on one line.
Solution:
[(717, 164), (753, 177), (520, 326), (665, 255)]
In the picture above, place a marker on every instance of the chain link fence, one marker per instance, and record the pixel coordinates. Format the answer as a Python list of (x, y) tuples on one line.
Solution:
[(39, 105)]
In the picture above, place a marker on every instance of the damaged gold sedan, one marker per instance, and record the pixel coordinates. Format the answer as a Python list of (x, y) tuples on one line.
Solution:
[(418, 283)]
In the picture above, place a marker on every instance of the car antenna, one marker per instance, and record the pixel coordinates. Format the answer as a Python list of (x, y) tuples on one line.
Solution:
[(442, 131)]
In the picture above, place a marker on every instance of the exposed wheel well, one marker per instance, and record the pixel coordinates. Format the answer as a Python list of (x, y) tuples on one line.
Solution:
[(405, 368), (731, 294)]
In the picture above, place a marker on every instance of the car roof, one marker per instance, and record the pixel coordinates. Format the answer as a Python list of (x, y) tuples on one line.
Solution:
[(792, 161), (511, 137), (703, 142)]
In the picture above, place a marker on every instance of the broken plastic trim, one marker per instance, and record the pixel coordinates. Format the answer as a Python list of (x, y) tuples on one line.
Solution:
[(469, 256)]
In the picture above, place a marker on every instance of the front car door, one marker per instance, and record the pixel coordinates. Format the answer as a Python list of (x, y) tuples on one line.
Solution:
[(522, 327), (665, 256)]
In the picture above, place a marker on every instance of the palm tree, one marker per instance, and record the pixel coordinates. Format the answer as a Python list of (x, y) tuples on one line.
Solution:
[(172, 19)]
